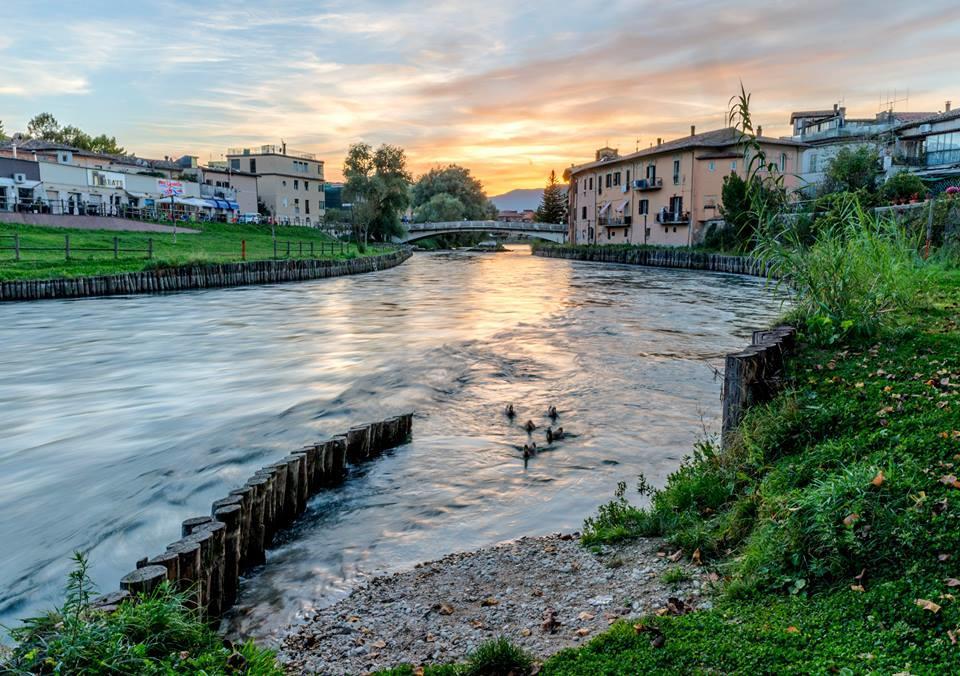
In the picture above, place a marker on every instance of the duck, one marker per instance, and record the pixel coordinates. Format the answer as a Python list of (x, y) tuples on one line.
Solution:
[(549, 435), (529, 450), (529, 426), (552, 413), (554, 434), (510, 413)]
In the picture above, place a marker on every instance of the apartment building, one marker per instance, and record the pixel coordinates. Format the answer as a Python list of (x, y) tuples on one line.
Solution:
[(234, 186), (289, 182), (668, 194)]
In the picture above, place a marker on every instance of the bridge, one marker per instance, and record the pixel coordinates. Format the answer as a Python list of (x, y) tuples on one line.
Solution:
[(552, 232)]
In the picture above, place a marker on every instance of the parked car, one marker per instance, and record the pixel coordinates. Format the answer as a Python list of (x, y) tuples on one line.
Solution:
[(249, 218)]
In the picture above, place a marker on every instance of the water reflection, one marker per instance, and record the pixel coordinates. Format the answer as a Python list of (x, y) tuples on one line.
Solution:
[(123, 416)]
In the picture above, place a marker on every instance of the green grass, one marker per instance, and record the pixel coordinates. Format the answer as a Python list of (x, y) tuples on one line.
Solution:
[(217, 242), (154, 635), (833, 511), (496, 657)]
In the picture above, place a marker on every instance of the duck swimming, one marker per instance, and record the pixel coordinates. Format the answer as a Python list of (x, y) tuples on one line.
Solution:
[(510, 413), (552, 413), (529, 426)]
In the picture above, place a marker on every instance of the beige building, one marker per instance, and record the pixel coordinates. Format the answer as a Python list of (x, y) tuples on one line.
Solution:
[(289, 182), (668, 194), (234, 186)]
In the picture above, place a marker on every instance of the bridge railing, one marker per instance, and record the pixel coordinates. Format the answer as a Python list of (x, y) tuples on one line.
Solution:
[(486, 225)]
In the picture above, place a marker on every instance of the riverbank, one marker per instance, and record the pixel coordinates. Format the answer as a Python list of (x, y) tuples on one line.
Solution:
[(44, 254), (542, 593), (652, 256), (161, 279)]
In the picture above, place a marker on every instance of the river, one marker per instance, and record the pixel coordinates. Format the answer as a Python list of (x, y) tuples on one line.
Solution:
[(123, 416)]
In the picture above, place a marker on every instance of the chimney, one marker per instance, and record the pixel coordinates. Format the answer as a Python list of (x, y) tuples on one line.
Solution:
[(836, 108), (947, 105), (759, 130), (14, 150), (284, 147), (659, 140), (693, 130)]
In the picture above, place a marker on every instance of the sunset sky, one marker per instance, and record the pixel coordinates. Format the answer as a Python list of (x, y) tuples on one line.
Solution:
[(508, 89)]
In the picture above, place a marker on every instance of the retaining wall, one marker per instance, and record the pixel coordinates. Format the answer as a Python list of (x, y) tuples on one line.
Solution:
[(661, 258), (197, 277), (216, 549)]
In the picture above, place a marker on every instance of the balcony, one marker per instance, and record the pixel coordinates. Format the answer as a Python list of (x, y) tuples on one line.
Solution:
[(615, 222), (216, 192), (647, 184), (667, 217)]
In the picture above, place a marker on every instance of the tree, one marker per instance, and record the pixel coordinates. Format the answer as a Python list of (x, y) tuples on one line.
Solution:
[(553, 204), (456, 182), (441, 207), (44, 127), (903, 186), (853, 169), (377, 185), (3, 137)]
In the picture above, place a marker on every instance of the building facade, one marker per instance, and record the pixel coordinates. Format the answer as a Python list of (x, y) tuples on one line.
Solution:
[(234, 186), (668, 194), (289, 182)]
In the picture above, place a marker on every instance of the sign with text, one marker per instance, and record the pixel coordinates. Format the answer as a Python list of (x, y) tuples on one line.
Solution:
[(169, 188), (106, 179)]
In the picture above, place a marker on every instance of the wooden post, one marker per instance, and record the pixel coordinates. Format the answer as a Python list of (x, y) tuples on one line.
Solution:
[(929, 228), (300, 242), (337, 447), (231, 516), (108, 603), (150, 247), (191, 525), (246, 495), (255, 540), (303, 480), (170, 561), (188, 569), (291, 495), (243, 249), (144, 580), (358, 443), (288, 248), (274, 249), (311, 249), (16, 246), (66, 247), (116, 248)]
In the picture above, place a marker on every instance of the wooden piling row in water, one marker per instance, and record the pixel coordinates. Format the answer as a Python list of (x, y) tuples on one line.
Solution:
[(754, 375), (206, 276), (215, 550), (660, 258)]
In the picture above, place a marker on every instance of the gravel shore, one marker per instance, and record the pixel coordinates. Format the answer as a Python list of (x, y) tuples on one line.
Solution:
[(544, 593)]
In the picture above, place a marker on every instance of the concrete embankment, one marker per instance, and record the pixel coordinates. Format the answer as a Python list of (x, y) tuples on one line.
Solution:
[(660, 258), (216, 549), (214, 275)]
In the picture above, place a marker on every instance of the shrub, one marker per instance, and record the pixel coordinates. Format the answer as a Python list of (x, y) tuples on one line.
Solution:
[(903, 186), (498, 657), (148, 635), (852, 169)]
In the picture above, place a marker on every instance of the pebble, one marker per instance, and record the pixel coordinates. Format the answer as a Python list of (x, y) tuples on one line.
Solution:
[(465, 599)]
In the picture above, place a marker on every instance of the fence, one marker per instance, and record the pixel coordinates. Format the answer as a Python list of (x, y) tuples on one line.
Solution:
[(17, 247)]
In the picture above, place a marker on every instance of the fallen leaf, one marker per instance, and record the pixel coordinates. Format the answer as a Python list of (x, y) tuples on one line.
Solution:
[(878, 480), (792, 630), (696, 556), (430, 638), (942, 558), (525, 632), (952, 582), (476, 624), (857, 588), (859, 386), (489, 602), (676, 555), (850, 519), (928, 605), (583, 631), (444, 609), (353, 618), (952, 635), (658, 641), (379, 644), (585, 616)]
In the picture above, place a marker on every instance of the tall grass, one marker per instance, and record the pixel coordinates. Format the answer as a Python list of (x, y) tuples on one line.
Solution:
[(859, 270)]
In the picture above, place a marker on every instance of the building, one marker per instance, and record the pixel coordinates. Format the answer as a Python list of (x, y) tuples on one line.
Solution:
[(229, 185), (929, 147), (19, 183), (333, 195), (668, 194), (826, 132), (289, 182), (513, 216)]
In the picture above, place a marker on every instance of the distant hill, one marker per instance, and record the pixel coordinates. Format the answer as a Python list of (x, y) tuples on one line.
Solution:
[(519, 199)]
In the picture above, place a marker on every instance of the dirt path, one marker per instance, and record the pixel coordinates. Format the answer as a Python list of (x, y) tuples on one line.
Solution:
[(91, 223)]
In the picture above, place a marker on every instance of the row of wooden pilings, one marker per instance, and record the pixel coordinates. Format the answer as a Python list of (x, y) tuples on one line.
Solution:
[(216, 549), (661, 258), (754, 375)]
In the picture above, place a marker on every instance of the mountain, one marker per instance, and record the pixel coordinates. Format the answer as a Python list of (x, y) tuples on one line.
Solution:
[(519, 199)]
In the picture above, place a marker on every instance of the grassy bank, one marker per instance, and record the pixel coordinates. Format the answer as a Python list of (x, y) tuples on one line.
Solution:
[(215, 243)]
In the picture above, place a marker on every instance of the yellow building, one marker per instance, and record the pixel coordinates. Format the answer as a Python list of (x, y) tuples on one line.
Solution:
[(668, 194)]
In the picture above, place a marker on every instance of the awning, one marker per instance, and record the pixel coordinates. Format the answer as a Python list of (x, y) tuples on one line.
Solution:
[(212, 203), (192, 201), (136, 195), (605, 207), (233, 206), (620, 206)]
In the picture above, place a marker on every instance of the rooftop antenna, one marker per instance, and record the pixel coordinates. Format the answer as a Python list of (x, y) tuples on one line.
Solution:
[(638, 145)]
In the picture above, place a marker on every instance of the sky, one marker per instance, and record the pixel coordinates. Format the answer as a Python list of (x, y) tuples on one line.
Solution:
[(509, 89)]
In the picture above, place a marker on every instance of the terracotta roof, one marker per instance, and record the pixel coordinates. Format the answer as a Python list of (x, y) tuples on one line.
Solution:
[(717, 139), (932, 119), (813, 113)]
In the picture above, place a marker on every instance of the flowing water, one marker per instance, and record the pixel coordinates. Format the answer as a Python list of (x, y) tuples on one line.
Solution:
[(122, 416)]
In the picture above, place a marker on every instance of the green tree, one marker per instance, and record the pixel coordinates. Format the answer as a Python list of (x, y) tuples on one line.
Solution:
[(3, 136), (44, 127), (553, 204), (903, 185), (456, 182), (441, 207), (852, 169), (377, 184)]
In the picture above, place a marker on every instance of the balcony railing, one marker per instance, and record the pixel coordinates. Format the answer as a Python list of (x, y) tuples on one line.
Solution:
[(218, 192), (667, 217), (645, 184), (615, 221), (271, 150)]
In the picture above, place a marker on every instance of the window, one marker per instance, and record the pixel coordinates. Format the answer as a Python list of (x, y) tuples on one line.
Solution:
[(306, 185), (584, 216), (813, 162), (591, 183), (609, 180), (235, 164), (616, 178), (296, 184), (783, 162), (628, 177), (652, 173), (306, 206), (712, 166), (733, 166), (676, 205), (644, 207), (676, 172), (284, 184), (253, 166)]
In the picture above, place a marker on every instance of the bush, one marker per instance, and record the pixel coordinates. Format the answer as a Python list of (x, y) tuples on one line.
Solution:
[(148, 635), (853, 169), (859, 270), (498, 657), (903, 186)]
